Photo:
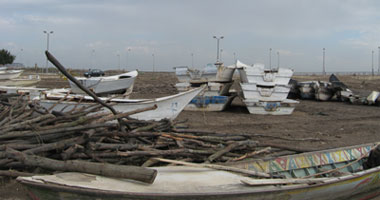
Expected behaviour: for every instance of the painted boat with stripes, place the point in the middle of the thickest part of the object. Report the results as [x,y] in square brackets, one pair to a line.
[341,173]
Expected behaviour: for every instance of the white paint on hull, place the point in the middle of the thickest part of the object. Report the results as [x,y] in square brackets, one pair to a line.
[167,107]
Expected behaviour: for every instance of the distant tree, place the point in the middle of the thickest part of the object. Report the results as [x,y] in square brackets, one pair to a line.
[6,57]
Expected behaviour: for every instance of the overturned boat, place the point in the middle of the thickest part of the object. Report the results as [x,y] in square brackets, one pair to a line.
[168,107]
[117,84]
[341,173]
[259,75]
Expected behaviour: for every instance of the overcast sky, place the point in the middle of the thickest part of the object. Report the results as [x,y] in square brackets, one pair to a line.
[92,33]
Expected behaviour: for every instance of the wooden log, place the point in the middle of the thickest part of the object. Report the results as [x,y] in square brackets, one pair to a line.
[218,167]
[57,145]
[14,173]
[118,171]
[248,155]
[50,131]
[282,146]
[228,149]
[25,123]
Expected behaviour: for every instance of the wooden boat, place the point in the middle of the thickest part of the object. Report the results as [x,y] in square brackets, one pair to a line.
[346,180]
[267,92]
[9,74]
[168,107]
[284,107]
[27,81]
[121,83]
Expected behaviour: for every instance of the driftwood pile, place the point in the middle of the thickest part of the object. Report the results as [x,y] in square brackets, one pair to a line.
[34,140]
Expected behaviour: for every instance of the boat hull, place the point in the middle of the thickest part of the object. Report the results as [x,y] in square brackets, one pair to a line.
[180,182]
[263,93]
[285,107]
[167,107]
[101,85]
[209,103]
[10,74]
[349,187]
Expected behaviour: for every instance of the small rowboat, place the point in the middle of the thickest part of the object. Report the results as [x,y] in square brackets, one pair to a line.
[340,176]
[121,83]
[168,107]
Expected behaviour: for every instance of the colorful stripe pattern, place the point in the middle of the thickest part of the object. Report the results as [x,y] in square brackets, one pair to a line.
[286,163]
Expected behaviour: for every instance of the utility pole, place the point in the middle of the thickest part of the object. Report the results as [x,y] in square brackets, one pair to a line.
[323,69]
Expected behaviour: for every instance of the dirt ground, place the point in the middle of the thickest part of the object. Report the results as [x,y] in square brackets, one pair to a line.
[336,124]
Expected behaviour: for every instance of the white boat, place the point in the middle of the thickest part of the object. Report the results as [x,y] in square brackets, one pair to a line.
[259,75]
[213,89]
[285,107]
[209,103]
[121,83]
[28,92]
[182,73]
[268,92]
[27,81]
[168,107]
[211,73]
[9,74]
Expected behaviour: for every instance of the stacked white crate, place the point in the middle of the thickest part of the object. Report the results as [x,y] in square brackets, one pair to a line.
[265,91]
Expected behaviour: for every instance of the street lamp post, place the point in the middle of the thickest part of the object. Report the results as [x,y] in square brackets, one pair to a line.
[221,53]
[153,62]
[217,47]
[47,46]
[92,59]
[323,66]
[378,62]
[129,50]
[21,50]
[234,57]
[278,60]
[118,61]
[270,58]
[192,60]
[373,70]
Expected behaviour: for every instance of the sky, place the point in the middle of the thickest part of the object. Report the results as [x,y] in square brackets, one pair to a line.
[140,34]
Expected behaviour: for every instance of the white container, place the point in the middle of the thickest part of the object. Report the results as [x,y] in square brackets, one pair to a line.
[285,107]
[268,92]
